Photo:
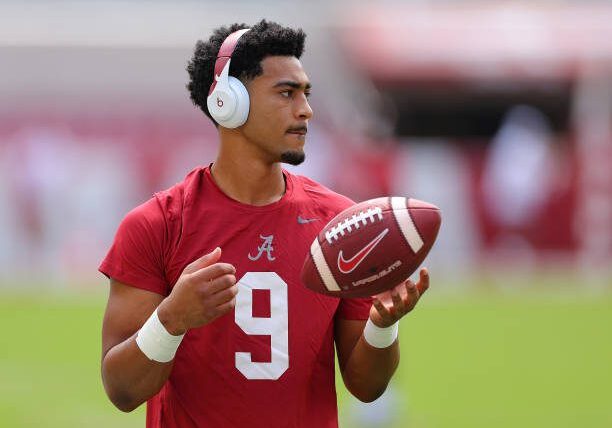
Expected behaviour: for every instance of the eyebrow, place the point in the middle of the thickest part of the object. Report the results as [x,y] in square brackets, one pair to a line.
[293,84]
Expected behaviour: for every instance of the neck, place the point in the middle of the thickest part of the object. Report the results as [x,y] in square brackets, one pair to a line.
[243,173]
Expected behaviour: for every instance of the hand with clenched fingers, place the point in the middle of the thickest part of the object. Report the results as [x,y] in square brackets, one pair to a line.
[205,291]
[388,307]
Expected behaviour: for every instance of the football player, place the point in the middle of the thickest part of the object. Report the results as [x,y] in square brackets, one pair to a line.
[207,320]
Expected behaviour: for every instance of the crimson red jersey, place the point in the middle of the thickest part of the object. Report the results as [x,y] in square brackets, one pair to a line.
[270,361]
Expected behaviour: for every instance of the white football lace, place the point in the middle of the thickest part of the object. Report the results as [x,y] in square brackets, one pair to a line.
[371,215]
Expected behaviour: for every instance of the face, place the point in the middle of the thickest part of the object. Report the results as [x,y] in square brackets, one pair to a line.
[279,110]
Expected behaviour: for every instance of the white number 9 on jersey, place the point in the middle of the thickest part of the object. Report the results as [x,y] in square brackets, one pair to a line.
[276,326]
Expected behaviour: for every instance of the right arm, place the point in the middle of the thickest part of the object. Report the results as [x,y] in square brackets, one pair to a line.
[205,291]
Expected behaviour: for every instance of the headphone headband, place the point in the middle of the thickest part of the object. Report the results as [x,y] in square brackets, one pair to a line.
[225,55]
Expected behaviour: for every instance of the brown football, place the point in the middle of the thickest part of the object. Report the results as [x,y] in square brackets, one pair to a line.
[371,247]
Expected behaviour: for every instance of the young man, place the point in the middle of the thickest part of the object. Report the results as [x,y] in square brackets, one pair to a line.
[207,319]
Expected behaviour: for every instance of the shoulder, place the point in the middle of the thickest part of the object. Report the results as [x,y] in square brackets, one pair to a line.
[172,199]
[320,195]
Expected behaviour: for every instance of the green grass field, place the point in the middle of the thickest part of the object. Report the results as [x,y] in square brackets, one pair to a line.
[485,359]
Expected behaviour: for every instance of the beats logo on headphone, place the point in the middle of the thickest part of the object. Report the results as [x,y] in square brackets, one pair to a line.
[228,99]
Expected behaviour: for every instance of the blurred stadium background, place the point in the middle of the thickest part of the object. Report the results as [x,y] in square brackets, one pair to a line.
[499,112]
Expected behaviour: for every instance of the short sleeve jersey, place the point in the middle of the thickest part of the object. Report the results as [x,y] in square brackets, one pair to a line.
[270,361]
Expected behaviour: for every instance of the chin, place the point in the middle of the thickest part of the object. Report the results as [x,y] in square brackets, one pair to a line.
[293,157]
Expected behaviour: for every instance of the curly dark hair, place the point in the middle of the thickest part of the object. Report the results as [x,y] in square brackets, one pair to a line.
[264,39]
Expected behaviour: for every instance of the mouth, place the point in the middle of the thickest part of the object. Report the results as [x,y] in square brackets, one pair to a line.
[299,130]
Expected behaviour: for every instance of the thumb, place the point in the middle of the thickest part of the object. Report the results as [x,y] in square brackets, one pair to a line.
[423,283]
[202,262]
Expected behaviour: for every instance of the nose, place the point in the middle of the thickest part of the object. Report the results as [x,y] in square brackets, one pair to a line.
[303,109]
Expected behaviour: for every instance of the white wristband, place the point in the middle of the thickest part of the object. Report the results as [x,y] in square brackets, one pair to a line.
[155,342]
[380,337]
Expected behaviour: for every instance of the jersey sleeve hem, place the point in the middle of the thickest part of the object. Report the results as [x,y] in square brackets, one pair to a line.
[113,272]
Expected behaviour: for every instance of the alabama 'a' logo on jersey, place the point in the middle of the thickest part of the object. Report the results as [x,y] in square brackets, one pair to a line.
[265,247]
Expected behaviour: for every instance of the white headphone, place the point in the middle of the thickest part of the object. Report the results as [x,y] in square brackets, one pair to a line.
[228,99]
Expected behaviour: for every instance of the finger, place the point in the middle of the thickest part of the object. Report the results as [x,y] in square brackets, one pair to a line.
[224,296]
[396,298]
[221,283]
[413,294]
[384,298]
[210,273]
[205,260]
[423,284]
[224,308]
[403,290]
[382,310]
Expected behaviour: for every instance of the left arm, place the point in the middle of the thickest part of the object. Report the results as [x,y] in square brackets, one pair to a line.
[366,370]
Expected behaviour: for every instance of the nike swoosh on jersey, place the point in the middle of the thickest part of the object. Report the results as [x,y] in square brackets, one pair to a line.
[302,220]
[347,266]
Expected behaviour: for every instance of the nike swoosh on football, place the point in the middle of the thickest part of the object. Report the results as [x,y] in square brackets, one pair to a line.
[347,266]
[306,220]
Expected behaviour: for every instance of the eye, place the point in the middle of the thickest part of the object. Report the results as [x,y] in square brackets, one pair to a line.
[307,94]
[286,93]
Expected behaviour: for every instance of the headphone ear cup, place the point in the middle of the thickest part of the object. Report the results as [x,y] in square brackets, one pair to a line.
[229,105]
[241,111]
[221,104]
